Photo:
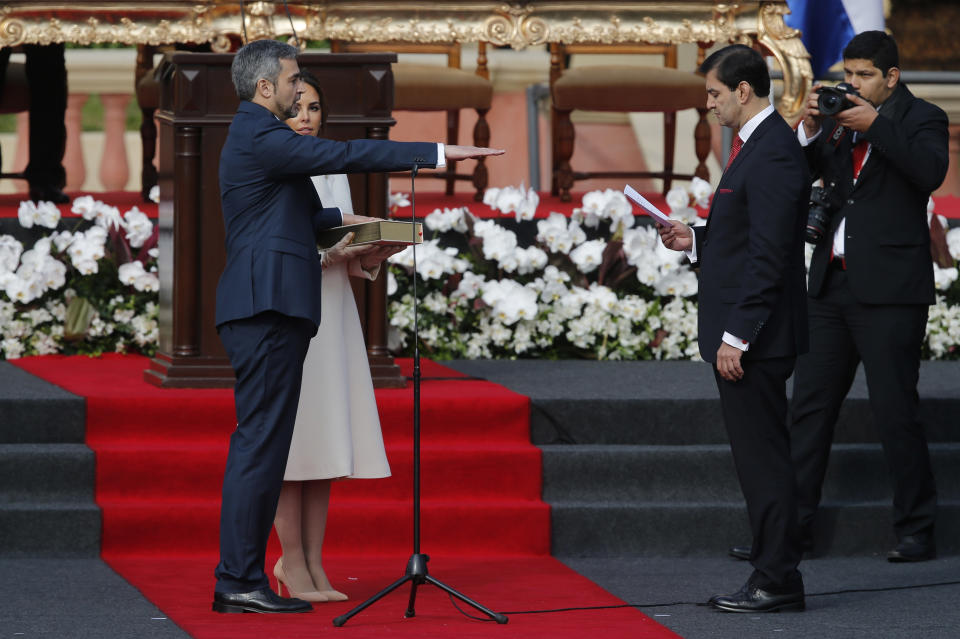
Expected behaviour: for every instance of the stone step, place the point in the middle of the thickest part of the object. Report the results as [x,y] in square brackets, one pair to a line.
[42,473]
[680,421]
[675,403]
[35,411]
[648,528]
[705,473]
[51,529]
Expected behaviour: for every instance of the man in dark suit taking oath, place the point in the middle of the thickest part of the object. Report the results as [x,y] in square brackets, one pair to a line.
[752,312]
[268,298]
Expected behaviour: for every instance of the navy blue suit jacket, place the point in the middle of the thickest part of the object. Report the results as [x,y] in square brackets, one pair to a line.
[750,254]
[271,211]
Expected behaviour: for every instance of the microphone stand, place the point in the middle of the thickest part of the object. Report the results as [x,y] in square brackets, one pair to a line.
[416,572]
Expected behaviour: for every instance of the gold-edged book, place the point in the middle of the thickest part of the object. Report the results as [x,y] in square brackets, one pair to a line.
[379,232]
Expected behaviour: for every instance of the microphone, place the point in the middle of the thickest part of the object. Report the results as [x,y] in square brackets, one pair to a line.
[296,39]
[413,213]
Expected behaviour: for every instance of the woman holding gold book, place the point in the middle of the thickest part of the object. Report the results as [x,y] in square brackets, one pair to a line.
[337,432]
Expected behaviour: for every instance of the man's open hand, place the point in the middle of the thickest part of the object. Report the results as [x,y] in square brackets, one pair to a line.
[456,152]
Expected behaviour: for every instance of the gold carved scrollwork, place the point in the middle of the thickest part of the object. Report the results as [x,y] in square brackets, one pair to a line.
[193,25]
[391,29]
[515,23]
[515,27]
[785,45]
[260,20]
[636,26]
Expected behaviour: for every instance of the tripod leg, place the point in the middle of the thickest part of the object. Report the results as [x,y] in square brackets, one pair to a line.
[342,619]
[496,616]
[413,598]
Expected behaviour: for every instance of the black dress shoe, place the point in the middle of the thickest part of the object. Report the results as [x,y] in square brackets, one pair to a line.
[913,548]
[754,599]
[48,194]
[263,600]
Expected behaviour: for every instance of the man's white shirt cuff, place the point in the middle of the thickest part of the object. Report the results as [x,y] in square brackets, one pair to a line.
[441,156]
[736,342]
[802,135]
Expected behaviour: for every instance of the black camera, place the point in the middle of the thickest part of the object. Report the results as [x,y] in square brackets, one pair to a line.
[833,100]
[824,201]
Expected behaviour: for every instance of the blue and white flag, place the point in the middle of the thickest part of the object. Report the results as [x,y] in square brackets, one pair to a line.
[828,25]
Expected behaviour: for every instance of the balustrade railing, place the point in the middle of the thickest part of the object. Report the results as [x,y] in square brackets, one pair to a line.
[104,160]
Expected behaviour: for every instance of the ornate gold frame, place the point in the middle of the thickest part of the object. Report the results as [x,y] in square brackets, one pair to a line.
[518,24]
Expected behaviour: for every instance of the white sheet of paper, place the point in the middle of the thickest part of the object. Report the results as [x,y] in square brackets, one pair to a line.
[647,207]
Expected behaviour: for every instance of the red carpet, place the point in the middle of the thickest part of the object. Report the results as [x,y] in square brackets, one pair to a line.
[161,453]
[182,589]
[160,456]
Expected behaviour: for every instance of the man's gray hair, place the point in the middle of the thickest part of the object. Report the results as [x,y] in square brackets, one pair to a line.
[258,59]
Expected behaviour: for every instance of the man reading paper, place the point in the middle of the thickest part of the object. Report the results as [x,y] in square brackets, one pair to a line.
[752,313]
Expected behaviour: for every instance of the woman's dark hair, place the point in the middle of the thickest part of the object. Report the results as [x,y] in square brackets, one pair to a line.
[875,46]
[739,63]
[309,78]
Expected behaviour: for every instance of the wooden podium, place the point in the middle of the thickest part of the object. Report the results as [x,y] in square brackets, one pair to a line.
[197,104]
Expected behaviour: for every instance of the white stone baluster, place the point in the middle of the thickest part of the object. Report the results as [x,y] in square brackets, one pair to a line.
[114,171]
[73,156]
[22,154]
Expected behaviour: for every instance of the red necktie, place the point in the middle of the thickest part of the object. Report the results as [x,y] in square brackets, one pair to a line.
[859,153]
[734,150]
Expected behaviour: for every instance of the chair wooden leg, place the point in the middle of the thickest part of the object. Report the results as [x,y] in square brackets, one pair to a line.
[453,131]
[669,145]
[481,137]
[554,153]
[563,151]
[148,139]
[701,136]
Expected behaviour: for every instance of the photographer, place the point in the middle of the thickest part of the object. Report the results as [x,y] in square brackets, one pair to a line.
[880,155]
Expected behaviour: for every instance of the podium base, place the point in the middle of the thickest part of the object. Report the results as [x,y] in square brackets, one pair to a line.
[171,371]
[385,373]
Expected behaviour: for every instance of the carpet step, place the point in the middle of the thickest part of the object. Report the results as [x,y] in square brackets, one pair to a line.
[503,527]
[40,473]
[53,529]
[35,411]
[588,529]
[127,471]
[857,472]
[448,412]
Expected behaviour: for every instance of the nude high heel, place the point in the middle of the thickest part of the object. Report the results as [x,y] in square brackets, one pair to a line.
[282,581]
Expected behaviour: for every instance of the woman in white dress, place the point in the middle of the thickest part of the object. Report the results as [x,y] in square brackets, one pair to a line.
[337,432]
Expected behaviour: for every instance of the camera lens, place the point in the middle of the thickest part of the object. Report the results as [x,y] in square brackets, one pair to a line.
[829,103]
[818,221]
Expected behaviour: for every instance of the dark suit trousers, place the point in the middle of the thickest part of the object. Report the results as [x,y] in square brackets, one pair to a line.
[888,339]
[267,353]
[47,79]
[755,414]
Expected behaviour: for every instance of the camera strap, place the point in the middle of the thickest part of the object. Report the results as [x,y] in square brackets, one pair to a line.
[838,133]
